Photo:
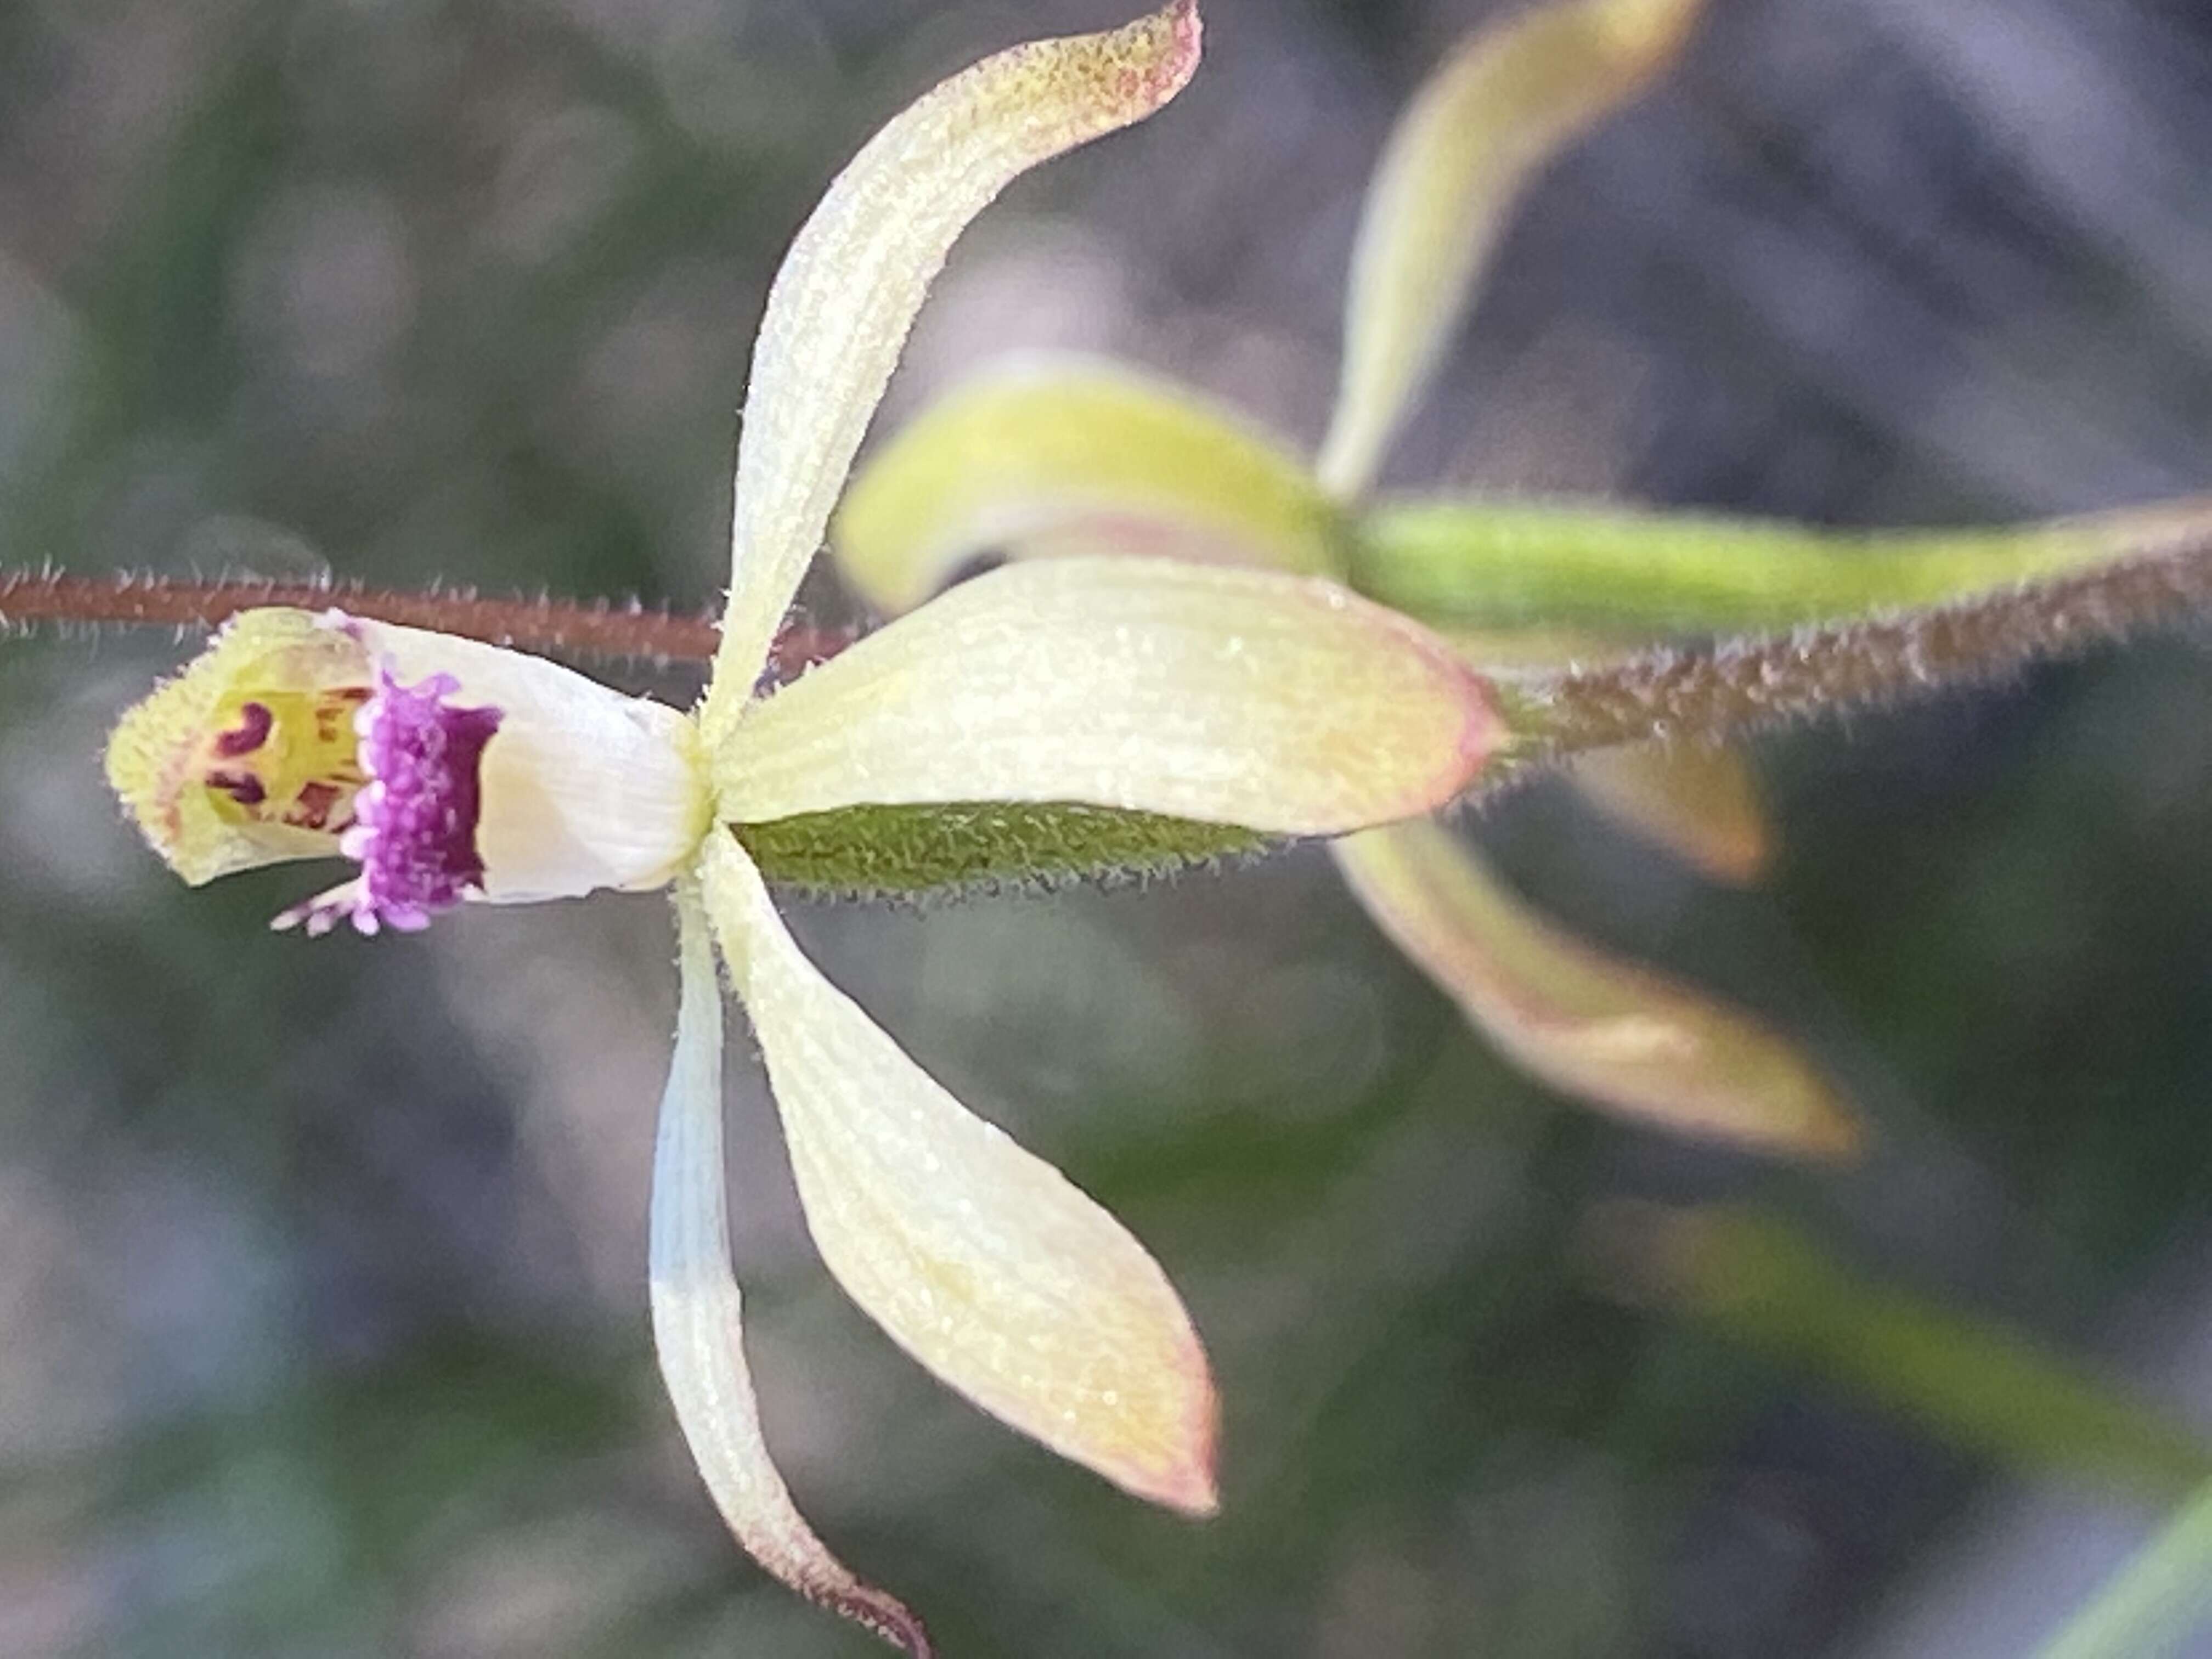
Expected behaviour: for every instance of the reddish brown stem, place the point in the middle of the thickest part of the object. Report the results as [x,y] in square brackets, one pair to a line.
[599,628]
[1741,686]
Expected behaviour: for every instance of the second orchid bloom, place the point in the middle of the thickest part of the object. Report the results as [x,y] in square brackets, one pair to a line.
[1206,707]
[1045,459]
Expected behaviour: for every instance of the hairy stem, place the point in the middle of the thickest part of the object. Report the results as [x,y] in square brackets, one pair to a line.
[1616,570]
[1713,694]
[597,628]
[1744,685]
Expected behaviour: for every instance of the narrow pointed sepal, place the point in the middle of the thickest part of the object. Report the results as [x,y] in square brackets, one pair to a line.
[1280,704]
[696,1310]
[846,295]
[1052,454]
[1499,108]
[1607,1032]
[982,1261]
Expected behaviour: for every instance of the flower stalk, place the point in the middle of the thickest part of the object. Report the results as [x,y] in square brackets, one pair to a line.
[597,628]
[600,628]
[1747,685]
[1708,695]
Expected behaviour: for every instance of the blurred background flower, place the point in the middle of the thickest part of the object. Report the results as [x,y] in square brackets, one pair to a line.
[323,1330]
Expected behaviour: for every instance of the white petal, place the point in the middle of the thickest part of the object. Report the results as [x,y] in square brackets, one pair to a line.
[983,1261]
[583,787]
[696,1316]
[847,294]
[1280,703]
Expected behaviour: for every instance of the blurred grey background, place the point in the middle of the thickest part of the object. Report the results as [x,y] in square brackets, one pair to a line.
[322,1264]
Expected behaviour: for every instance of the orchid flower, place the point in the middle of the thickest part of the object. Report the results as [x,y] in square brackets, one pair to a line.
[1171,707]
[1046,459]
[1064,457]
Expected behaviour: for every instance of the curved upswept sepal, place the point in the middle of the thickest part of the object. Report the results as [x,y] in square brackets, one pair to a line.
[1615,1034]
[982,1261]
[697,1308]
[1050,451]
[1280,704]
[846,295]
[1499,108]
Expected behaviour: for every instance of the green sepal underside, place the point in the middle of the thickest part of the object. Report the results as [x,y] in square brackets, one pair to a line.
[911,851]
[1630,573]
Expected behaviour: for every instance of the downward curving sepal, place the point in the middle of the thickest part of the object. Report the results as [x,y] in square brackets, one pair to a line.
[696,1311]
[982,1261]
[847,294]
[1283,705]
[1617,1035]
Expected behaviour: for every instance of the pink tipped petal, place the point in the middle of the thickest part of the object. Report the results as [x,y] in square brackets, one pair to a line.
[1615,1034]
[1279,703]
[1699,802]
[695,1317]
[1053,449]
[1495,111]
[981,1261]
[847,292]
